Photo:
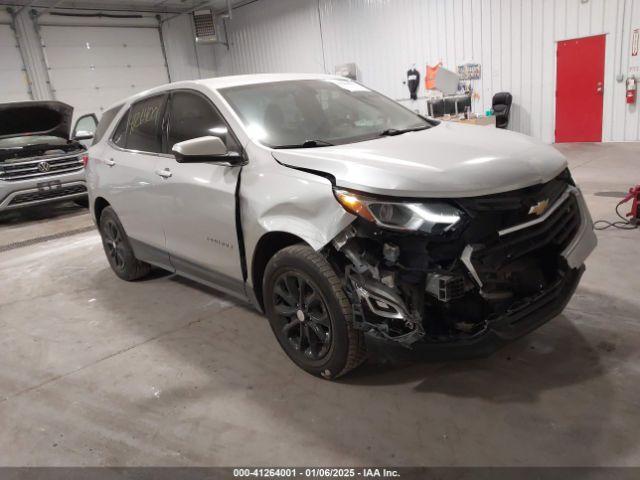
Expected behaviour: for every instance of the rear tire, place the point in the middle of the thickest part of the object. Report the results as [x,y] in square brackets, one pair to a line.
[118,248]
[310,314]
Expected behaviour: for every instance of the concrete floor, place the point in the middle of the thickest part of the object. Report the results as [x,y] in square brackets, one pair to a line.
[96,371]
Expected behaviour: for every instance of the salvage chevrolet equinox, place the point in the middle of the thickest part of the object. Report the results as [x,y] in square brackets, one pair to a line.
[339,213]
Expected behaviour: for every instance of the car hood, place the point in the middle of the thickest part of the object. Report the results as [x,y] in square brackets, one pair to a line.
[448,160]
[35,118]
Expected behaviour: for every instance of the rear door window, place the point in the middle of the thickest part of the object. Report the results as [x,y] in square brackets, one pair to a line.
[144,132]
[192,116]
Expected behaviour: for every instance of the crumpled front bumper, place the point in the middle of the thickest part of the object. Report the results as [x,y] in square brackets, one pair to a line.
[530,313]
[516,323]
[585,240]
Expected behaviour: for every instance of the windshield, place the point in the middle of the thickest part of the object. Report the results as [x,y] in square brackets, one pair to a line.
[317,113]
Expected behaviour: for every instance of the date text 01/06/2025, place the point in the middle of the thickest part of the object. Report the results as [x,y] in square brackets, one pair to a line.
[315,473]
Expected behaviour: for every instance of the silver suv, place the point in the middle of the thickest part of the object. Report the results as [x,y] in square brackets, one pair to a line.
[339,213]
[40,161]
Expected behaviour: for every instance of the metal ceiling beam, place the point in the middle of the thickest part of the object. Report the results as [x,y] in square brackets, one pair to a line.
[95,6]
[186,12]
[158,4]
[53,5]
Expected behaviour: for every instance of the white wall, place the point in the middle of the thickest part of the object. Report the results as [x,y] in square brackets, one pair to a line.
[186,60]
[514,40]
[12,75]
[273,36]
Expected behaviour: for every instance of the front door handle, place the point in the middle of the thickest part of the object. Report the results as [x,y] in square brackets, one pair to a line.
[110,162]
[599,87]
[166,173]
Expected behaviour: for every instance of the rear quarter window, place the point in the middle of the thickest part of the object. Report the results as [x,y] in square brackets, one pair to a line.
[119,137]
[104,123]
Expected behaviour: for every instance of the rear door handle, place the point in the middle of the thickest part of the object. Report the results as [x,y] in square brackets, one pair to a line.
[110,162]
[166,173]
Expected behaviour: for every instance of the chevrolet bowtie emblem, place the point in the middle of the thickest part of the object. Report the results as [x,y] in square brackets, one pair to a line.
[539,208]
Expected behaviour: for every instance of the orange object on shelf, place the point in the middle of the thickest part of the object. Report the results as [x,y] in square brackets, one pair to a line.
[430,77]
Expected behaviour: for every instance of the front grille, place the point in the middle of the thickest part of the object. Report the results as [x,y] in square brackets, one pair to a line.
[40,167]
[556,230]
[57,193]
[507,209]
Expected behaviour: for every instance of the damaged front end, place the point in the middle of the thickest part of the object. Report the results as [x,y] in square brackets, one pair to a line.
[451,271]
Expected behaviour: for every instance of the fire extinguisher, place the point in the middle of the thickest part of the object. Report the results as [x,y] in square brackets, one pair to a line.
[632,88]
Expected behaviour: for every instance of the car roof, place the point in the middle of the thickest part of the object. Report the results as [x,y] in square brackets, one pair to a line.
[217,83]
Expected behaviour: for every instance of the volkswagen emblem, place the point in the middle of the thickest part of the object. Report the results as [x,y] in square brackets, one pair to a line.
[540,207]
[44,167]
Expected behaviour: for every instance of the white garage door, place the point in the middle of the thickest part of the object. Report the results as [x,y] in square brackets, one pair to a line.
[93,67]
[13,80]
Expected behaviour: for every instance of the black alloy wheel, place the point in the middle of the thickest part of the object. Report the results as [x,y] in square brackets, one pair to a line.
[113,243]
[310,314]
[303,315]
[118,249]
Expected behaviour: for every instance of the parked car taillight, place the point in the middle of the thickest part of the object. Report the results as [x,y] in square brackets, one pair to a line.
[85,160]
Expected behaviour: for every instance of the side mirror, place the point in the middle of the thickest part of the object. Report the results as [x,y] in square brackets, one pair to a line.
[83,135]
[206,149]
[85,127]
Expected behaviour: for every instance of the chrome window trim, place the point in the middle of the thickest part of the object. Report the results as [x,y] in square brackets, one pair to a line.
[141,152]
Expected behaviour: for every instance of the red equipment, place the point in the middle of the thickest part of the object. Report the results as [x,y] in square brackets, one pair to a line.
[634,193]
[632,88]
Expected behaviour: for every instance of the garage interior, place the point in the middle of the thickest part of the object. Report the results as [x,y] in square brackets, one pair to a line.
[166,372]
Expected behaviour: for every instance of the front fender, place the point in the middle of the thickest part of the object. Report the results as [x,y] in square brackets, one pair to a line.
[282,199]
[313,218]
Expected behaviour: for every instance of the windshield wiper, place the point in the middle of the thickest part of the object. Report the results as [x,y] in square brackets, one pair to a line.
[308,144]
[391,132]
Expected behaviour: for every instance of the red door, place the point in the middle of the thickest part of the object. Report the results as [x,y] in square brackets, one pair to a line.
[579,89]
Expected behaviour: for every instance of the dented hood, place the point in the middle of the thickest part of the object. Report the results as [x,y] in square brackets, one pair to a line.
[35,118]
[448,160]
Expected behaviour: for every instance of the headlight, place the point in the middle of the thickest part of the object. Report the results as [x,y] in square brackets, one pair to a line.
[428,217]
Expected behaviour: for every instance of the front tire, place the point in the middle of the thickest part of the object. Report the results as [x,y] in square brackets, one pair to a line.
[310,314]
[118,248]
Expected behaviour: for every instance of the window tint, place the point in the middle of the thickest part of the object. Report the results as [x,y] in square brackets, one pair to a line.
[120,135]
[105,121]
[192,116]
[144,128]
